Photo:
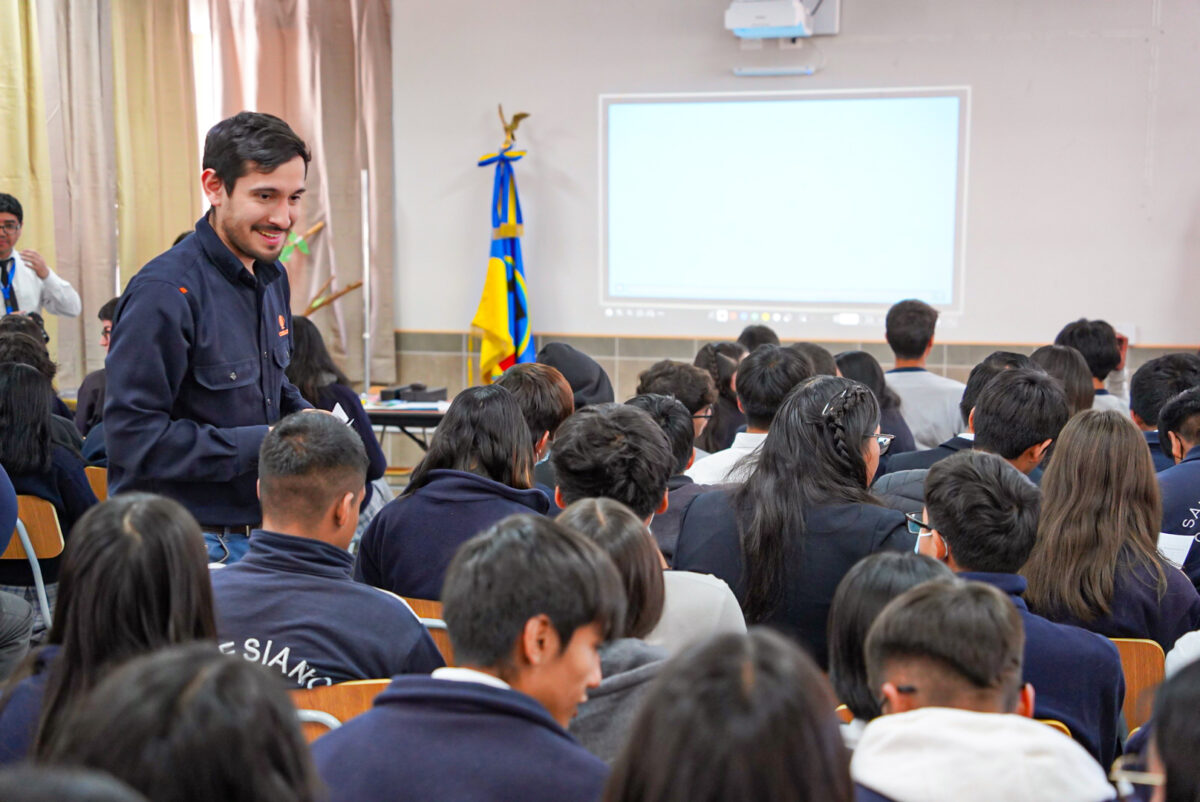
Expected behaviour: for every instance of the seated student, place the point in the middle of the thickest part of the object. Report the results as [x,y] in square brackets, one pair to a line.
[589,383]
[806,495]
[1017,416]
[982,517]
[865,369]
[479,469]
[1095,563]
[291,603]
[1153,385]
[32,326]
[1097,341]
[627,663]
[755,335]
[1179,434]
[1071,369]
[134,579]
[22,350]
[979,377]
[945,660]
[89,407]
[188,725]
[673,418]
[764,379]
[16,614]
[1169,772]
[546,401]
[720,361]
[688,384]
[322,384]
[861,595]
[735,718]
[527,605]
[616,451]
[929,401]
[37,467]
[823,363]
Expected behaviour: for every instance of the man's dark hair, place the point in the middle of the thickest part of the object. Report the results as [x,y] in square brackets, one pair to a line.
[1018,409]
[306,463]
[823,363]
[984,372]
[755,335]
[1176,732]
[108,310]
[985,509]
[1097,341]
[10,205]
[251,140]
[691,385]
[29,323]
[522,567]
[765,378]
[1160,380]
[1180,415]
[543,394]
[613,451]
[910,326]
[674,420]
[968,634]
[25,350]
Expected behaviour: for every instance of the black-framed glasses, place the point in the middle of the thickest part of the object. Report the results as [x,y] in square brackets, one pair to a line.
[10,227]
[106,331]
[704,414]
[917,527]
[884,441]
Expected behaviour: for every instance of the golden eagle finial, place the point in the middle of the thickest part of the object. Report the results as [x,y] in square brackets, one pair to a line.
[510,128]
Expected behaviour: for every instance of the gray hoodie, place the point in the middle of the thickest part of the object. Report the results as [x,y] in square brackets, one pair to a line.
[603,722]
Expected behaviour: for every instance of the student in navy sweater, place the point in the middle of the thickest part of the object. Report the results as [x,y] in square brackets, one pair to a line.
[527,604]
[784,539]
[1096,562]
[546,401]
[983,516]
[291,604]
[1152,386]
[16,614]
[479,469]
[1179,427]
[134,579]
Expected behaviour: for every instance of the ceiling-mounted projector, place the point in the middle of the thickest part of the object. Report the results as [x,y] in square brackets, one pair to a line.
[768,19]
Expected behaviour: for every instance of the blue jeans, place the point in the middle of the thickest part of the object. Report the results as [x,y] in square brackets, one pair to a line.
[226,547]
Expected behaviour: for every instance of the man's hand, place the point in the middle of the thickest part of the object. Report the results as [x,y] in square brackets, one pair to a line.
[35,260]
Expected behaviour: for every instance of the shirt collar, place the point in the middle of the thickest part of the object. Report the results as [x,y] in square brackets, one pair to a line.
[228,264]
[459,674]
[283,552]
[1012,584]
[908,370]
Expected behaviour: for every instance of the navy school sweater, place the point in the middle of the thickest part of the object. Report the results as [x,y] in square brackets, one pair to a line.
[436,739]
[1180,485]
[291,605]
[19,717]
[408,546]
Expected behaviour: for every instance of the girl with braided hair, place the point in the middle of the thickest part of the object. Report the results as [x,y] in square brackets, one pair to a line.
[786,537]
[721,361]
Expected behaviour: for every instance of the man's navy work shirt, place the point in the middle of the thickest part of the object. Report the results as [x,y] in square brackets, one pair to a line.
[196,375]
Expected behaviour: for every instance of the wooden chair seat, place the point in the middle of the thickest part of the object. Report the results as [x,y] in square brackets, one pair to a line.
[343,701]
[430,613]
[1144,665]
[98,478]
[37,522]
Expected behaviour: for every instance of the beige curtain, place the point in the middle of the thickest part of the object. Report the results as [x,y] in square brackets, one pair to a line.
[24,142]
[154,114]
[325,68]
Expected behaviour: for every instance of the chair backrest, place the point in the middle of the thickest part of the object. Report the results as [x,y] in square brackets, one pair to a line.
[430,613]
[843,713]
[98,478]
[343,701]
[1054,723]
[1143,662]
[41,523]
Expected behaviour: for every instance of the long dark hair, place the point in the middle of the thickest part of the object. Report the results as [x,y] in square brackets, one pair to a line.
[134,578]
[720,360]
[1101,513]
[190,724]
[24,420]
[812,457]
[865,369]
[484,433]
[861,595]
[734,718]
[311,367]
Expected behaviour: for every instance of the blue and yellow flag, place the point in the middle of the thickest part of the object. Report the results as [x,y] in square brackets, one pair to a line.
[502,319]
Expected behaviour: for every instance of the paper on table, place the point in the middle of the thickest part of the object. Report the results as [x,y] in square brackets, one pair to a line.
[1174,547]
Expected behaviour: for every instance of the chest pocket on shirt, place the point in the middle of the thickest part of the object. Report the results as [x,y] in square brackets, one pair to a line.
[283,355]
[227,375]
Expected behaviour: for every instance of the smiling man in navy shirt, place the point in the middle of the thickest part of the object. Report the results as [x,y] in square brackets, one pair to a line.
[201,339]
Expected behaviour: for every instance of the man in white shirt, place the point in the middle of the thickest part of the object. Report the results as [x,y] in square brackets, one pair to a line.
[764,379]
[928,402]
[28,283]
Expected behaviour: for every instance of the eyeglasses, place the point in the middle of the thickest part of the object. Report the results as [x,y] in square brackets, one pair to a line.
[1128,772]
[704,414]
[10,227]
[106,331]
[884,440]
[919,528]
